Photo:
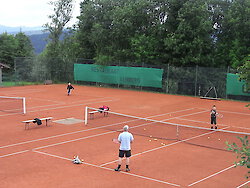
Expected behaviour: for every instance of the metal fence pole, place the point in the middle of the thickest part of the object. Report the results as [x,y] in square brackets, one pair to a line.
[196,76]
[167,89]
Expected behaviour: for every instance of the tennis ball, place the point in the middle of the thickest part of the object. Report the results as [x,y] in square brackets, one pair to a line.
[149,140]
[218,139]
[208,137]
[150,136]
[144,129]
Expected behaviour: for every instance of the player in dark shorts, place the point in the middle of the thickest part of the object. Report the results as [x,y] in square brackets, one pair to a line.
[69,87]
[213,114]
[125,139]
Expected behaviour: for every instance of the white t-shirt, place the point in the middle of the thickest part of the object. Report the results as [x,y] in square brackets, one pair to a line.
[125,138]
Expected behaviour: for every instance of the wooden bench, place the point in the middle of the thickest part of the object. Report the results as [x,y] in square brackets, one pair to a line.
[27,122]
[105,113]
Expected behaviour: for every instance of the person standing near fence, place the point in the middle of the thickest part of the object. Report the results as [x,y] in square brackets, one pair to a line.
[213,115]
[69,88]
[125,139]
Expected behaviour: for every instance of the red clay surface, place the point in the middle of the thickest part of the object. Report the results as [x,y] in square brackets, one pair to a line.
[41,156]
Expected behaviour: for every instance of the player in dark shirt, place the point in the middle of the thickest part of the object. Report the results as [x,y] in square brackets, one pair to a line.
[213,114]
[69,87]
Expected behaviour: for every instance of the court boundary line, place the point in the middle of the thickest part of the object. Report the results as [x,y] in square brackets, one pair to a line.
[74,132]
[232,112]
[160,147]
[19,152]
[63,103]
[217,124]
[59,107]
[212,175]
[81,138]
[110,169]
[243,184]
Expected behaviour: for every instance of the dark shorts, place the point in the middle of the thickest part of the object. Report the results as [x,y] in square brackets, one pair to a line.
[213,120]
[126,153]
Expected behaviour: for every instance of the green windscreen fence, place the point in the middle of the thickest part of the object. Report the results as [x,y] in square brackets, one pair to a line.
[235,86]
[136,76]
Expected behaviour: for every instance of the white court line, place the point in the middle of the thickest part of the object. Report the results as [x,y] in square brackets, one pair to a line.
[89,100]
[202,122]
[126,173]
[21,91]
[217,124]
[75,132]
[19,152]
[172,112]
[229,112]
[189,114]
[174,143]
[59,143]
[211,175]
[69,106]
[77,139]
[243,184]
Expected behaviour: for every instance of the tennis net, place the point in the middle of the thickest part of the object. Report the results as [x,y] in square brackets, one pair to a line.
[162,130]
[12,104]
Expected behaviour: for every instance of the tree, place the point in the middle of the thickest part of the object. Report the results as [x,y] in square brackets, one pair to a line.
[243,152]
[8,47]
[233,42]
[24,46]
[191,42]
[244,72]
[62,15]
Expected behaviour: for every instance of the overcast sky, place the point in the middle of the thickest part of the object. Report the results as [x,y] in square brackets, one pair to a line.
[30,13]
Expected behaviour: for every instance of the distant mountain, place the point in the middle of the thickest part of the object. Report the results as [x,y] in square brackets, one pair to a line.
[14,30]
[39,42]
[36,35]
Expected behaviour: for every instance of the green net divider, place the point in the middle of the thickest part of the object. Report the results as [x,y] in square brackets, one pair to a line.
[235,86]
[137,76]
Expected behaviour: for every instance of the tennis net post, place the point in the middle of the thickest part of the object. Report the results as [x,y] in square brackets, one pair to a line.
[13,104]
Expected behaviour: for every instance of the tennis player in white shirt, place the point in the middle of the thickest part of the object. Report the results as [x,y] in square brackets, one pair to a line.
[125,139]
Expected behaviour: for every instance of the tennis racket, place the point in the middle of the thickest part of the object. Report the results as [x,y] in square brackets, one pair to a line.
[115,140]
[220,115]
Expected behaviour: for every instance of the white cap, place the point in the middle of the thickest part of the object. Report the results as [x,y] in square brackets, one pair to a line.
[126,127]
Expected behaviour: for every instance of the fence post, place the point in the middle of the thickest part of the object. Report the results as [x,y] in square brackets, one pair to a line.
[167,89]
[196,76]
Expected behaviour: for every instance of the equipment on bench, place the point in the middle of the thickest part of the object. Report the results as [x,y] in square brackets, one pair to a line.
[36,120]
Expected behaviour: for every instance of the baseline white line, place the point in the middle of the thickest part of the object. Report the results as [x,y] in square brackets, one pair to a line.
[90,100]
[243,184]
[174,143]
[171,112]
[188,114]
[19,152]
[97,166]
[69,106]
[229,112]
[92,135]
[22,91]
[82,138]
[55,136]
[211,176]
[202,122]
[209,123]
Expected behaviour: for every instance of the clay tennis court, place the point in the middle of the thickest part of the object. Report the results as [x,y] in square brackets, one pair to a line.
[41,155]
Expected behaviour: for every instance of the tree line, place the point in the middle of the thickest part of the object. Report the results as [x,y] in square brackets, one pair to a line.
[208,33]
